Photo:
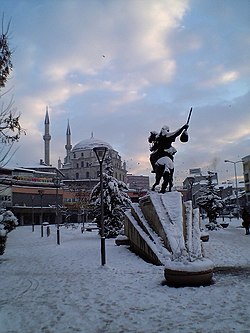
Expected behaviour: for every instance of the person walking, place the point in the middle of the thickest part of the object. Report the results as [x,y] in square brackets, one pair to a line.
[246,219]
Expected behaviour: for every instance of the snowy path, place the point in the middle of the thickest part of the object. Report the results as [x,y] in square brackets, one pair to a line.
[63,289]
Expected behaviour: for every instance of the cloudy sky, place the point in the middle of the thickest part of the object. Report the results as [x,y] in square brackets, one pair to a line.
[121,68]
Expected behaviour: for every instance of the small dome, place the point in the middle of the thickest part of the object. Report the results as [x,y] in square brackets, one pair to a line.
[90,144]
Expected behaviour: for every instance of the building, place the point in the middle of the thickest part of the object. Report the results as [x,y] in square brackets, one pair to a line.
[42,192]
[138,182]
[81,165]
[81,171]
[195,183]
[138,186]
[246,172]
[45,193]
[32,195]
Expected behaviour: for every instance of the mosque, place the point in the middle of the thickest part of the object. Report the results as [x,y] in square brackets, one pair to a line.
[35,193]
[80,163]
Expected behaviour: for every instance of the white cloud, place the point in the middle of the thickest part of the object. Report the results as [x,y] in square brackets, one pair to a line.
[221,77]
[122,68]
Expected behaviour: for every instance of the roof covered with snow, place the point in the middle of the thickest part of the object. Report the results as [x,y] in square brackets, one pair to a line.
[90,144]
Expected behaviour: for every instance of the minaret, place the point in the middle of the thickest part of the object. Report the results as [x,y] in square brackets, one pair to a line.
[68,145]
[46,138]
[59,163]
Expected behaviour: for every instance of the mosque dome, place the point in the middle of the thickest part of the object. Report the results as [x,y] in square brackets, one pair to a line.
[90,144]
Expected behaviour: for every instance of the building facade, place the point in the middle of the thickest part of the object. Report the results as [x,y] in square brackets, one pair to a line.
[33,196]
[246,172]
[81,166]
[195,183]
[138,183]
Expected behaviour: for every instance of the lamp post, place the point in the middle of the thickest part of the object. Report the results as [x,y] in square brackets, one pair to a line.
[57,182]
[190,188]
[41,192]
[32,200]
[236,183]
[100,154]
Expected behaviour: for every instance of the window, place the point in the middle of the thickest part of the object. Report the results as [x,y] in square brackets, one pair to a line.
[77,175]
[82,164]
[87,174]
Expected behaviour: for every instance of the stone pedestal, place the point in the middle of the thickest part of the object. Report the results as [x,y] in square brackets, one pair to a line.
[164,231]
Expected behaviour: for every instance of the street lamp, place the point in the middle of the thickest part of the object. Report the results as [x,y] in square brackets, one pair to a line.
[100,154]
[236,183]
[57,183]
[32,200]
[191,181]
[41,192]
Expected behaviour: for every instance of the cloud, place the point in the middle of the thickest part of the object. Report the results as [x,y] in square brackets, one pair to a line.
[221,77]
[123,68]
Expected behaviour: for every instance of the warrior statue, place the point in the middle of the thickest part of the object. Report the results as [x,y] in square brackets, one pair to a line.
[162,153]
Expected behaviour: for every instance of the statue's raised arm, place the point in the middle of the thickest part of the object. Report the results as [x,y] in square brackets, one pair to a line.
[168,137]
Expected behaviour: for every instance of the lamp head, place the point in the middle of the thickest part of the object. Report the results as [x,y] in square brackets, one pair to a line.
[100,153]
[233,161]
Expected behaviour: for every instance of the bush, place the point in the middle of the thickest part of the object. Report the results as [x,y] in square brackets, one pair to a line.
[8,222]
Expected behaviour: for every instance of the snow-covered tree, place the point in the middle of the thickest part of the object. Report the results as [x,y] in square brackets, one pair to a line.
[8,222]
[115,200]
[211,202]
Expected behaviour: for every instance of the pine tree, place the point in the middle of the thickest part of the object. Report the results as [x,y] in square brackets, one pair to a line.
[210,202]
[115,200]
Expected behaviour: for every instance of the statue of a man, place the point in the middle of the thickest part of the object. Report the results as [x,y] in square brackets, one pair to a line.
[162,143]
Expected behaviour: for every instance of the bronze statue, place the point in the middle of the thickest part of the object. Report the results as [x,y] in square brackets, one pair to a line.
[162,156]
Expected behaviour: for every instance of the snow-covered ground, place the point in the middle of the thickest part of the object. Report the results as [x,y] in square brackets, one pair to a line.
[53,288]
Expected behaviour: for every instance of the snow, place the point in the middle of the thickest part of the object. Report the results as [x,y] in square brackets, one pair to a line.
[8,222]
[53,288]
[91,143]
[151,238]
[169,209]
[165,160]
[199,265]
